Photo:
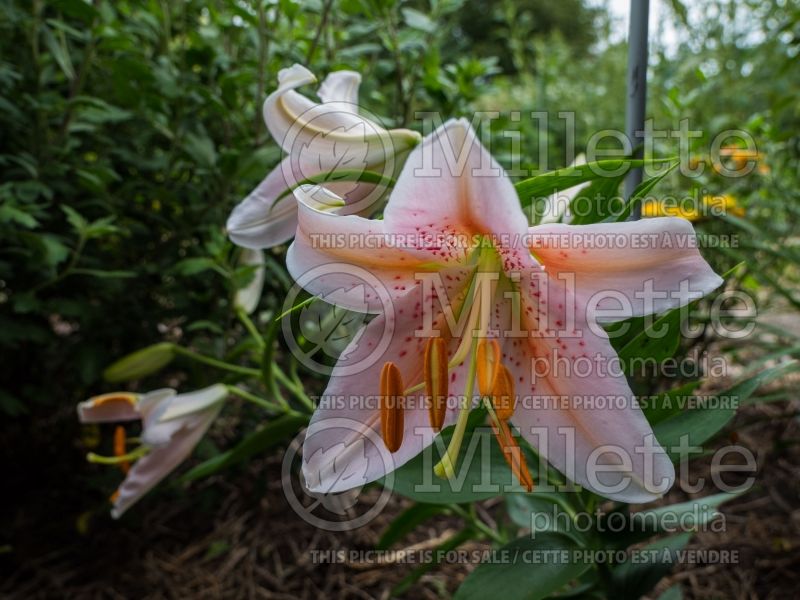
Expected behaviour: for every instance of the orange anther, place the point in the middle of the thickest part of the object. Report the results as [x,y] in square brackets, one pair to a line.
[391,404]
[488,365]
[436,381]
[512,453]
[504,400]
[120,447]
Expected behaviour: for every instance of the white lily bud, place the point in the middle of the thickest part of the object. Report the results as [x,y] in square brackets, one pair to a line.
[319,138]
[247,298]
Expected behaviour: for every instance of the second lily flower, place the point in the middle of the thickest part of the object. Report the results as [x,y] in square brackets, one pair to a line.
[318,138]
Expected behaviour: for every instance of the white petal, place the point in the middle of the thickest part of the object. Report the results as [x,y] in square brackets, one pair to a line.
[451,185]
[341,86]
[329,135]
[163,459]
[184,405]
[109,408]
[247,298]
[261,220]
[628,269]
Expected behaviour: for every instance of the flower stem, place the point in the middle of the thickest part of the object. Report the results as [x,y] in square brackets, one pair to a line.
[478,524]
[262,402]
[296,390]
[251,328]
[216,362]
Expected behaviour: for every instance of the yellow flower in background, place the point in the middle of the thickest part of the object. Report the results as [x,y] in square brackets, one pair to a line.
[696,160]
[708,206]
[736,159]
[739,156]
[721,205]
[661,208]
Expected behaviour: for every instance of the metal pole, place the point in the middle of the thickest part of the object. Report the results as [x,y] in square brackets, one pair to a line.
[637,88]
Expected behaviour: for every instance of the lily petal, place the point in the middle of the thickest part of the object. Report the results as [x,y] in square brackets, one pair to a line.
[341,86]
[343,448]
[110,408]
[148,471]
[248,297]
[259,221]
[450,187]
[185,405]
[572,388]
[613,263]
[329,135]
[331,253]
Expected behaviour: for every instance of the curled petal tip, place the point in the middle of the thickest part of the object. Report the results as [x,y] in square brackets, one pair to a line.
[297,75]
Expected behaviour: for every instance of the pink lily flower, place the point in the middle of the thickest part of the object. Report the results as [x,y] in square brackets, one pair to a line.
[454,217]
[172,425]
[318,138]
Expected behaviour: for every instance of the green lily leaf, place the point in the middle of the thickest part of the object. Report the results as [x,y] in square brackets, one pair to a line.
[261,440]
[703,422]
[407,521]
[625,528]
[481,471]
[526,569]
[633,579]
[562,179]
[641,191]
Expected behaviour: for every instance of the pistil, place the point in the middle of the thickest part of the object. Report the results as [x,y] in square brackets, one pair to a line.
[446,466]
[129,457]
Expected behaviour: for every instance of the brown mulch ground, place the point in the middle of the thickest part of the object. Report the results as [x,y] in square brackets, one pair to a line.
[237,537]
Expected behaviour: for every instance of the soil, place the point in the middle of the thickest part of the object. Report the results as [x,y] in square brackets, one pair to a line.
[238,537]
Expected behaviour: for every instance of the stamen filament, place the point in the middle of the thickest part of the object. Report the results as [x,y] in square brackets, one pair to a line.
[446,466]
[512,452]
[468,335]
[116,460]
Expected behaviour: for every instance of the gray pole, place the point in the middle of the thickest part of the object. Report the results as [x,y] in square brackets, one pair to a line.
[637,88]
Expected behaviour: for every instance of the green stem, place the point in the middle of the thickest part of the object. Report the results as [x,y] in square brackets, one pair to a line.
[295,389]
[251,328]
[217,363]
[263,403]
[478,524]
